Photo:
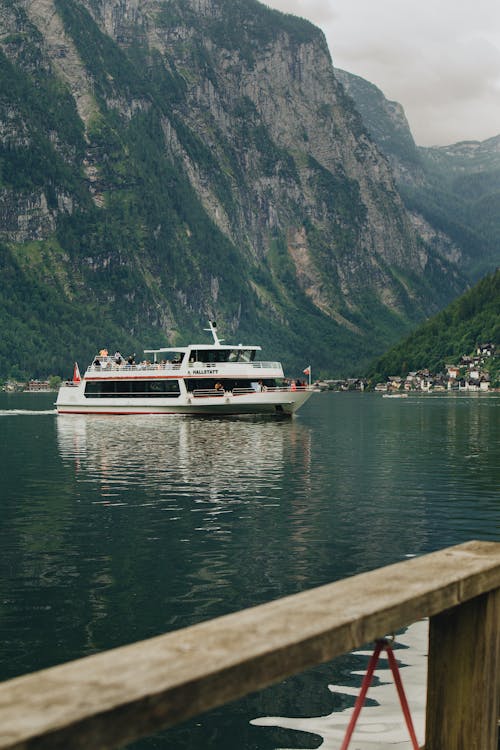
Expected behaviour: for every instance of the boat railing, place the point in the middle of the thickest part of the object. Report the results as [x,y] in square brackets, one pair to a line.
[104,364]
[269,389]
[108,363]
[286,388]
[265,365]
[218,392]
[239,364]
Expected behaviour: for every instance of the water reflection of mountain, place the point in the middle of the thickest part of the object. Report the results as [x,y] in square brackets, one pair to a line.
[211,459]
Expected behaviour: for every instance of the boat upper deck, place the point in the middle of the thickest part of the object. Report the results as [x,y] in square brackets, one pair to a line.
[223,360]
[108,367]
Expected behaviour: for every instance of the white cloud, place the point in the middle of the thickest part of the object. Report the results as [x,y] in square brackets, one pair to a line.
[440,60]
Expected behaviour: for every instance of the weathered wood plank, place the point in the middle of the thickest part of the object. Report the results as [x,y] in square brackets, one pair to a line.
[108,699]
[463,676]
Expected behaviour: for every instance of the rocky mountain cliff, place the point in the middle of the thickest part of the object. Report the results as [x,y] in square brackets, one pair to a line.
[452,192]
[386,123]
[167,161]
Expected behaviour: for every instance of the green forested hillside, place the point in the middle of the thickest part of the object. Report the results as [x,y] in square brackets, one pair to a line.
[472,319]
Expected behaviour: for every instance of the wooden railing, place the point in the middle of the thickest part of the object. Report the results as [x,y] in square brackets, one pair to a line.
[109,699]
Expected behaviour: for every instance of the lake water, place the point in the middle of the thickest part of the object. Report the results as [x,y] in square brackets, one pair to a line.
[115,529]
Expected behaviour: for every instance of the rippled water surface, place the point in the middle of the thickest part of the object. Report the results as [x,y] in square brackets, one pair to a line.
[114,529]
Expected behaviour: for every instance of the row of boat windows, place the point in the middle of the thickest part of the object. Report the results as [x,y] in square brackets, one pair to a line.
[132,389]
[166,388]
[228,384]
[222,355]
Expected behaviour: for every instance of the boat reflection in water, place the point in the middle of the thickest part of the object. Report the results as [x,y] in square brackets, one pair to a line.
[143,459]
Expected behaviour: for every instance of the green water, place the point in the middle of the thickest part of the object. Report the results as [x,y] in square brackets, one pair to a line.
[115,529]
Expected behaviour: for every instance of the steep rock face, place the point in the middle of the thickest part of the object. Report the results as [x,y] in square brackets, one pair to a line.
[286,89]
[465,177]
[386,122]
[452,192]
[298,99]
[29,218]
[199,157]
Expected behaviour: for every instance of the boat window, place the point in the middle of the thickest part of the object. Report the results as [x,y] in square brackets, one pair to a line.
[229,384]
[171,358]
[222,355]
[209,355]
[132,389]
[203,384]
[247,355]
[241,355]
[177,358]
[91,389]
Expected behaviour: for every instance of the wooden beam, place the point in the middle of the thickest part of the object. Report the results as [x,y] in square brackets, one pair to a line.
[109,699]
[463,675]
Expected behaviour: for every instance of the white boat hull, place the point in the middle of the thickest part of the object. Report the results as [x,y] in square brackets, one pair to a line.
[71,400]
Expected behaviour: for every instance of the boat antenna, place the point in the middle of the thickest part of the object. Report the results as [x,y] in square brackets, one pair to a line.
[213,331]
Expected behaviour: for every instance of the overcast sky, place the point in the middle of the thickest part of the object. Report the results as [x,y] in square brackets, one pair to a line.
[439,58]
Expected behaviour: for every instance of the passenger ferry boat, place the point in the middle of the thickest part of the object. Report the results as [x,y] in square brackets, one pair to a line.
[215,378]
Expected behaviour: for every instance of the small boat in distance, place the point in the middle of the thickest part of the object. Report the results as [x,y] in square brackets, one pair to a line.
[216,378]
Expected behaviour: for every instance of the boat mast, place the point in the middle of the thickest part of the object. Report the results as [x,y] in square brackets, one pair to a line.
[213,331]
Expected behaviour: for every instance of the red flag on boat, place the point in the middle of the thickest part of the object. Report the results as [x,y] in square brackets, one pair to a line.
[307,371]
[76,373]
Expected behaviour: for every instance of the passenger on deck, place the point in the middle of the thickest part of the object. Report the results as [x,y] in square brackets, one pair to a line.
[118,358]
[219,387]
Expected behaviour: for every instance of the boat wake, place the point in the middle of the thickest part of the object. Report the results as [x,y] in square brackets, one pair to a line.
[379,726]
[24,412]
